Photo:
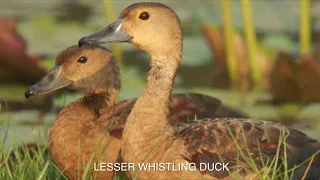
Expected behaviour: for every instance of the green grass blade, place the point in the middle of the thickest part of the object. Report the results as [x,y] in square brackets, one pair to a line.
[44,170]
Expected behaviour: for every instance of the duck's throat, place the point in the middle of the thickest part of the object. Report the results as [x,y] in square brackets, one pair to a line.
[147,123]
[101,101]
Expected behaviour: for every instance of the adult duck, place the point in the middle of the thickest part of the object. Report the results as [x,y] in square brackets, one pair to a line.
[149,138]
[81,125]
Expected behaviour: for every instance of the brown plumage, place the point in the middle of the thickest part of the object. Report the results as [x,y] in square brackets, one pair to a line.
[284,86]
[96,117]
[149,138]
[295,80]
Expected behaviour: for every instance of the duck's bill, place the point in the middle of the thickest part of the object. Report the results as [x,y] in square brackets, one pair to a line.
[112,33]
[52,81]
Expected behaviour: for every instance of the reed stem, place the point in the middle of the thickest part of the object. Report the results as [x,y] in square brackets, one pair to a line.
[229,37]
[304,27]
[251,41]
[111,16]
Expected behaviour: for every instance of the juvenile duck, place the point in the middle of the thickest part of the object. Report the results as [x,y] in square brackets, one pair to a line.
[148,137]
[79,127]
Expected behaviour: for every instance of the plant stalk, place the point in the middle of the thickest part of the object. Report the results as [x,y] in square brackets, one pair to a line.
[229,37]
[111,16]
[251,41]
[304,27]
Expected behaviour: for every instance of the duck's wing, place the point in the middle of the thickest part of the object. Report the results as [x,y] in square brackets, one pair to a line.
[187,107]
[230,112]
[243,143]
[116,117]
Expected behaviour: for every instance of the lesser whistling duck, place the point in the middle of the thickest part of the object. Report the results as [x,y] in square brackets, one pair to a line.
[93,70]
[295,80]
[149,138]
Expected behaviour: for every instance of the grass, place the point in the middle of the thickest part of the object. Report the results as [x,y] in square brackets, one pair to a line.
[21,164]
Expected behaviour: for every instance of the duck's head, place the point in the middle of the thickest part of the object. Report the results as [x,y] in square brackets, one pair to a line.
[152,27]
[90,69]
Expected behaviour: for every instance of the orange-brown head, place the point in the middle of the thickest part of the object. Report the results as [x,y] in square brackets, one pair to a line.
[153,27]
[89,69]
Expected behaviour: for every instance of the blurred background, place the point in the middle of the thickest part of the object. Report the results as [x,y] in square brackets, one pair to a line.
[261,57]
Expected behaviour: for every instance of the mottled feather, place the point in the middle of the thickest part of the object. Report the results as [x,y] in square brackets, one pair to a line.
[222,140]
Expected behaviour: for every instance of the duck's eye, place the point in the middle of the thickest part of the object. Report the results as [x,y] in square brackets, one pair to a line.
[144,15]
[82,59]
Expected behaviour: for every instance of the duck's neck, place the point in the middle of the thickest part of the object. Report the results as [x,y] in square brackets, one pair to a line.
[147,124]
[155,97]
[100,100]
